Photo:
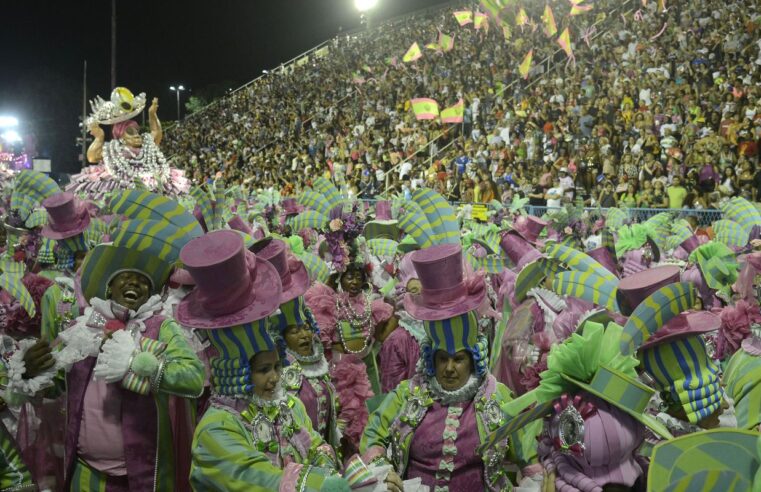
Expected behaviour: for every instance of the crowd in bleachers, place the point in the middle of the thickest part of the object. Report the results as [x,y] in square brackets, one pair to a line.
[660,108]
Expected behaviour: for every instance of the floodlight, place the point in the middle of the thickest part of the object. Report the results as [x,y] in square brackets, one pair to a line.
[8,121]
[365,5]
[11,136]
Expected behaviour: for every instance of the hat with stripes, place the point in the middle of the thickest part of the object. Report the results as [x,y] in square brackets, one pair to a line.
[742,380]
[719,460]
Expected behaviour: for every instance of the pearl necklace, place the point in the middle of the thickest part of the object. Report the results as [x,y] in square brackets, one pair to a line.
[361,323]
[148,164]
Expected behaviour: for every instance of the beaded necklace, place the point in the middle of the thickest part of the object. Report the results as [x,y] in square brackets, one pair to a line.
[359,323]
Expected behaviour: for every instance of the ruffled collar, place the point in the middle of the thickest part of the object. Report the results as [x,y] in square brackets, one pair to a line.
[465,393]
[84,338]
[413,326]
[318,354]
[270,404]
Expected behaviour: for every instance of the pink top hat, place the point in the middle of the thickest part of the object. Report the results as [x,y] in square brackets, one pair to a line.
[67,216]
[684,325]
[529,227]
[238,224]
[383,210]
[690,244]
[233,286]
[293,274]
[181,277]
[289,206]
[519,250]
[446,292]
[634,289]
[406,270]
[606,258]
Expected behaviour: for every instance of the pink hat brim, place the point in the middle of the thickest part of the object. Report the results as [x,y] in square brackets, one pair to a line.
[698,322]
[190,311]
[427,313]
[78,228]
[299,284]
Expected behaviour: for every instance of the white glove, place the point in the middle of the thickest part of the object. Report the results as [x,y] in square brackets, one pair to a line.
[115,355]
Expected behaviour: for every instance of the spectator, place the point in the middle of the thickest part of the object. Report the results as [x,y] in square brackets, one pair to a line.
[676,193]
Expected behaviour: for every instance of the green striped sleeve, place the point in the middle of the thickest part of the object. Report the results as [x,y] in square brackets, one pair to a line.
[378,426]
[182,371]
[225,459]
[49,307]
[14,475]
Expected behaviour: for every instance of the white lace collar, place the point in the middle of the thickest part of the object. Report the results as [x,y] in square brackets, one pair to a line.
[465,393]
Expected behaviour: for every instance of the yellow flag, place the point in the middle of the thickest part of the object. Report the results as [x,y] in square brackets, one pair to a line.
[565,42]
[412,54]
[432,46]
[577,9]
[549,21]
[453,114]
[425,108]
[481,20]
[526,64]
[521,19]
[464,17]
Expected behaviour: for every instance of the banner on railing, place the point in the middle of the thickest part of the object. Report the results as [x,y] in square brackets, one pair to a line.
[302,61]
[322,52]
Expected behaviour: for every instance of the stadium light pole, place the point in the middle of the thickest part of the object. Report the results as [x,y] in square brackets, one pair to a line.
[177,89]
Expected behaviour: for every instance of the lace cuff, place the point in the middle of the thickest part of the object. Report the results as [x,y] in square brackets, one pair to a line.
[115,357]
[17,385]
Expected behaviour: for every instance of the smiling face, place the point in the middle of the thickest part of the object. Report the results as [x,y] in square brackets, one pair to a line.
[452,371]
[130,289]
[132,137]
[299,339]
[265,374]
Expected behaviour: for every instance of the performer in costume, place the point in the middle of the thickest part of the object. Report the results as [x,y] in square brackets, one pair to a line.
[129,370]
[431,425]
[593,409]
[296,332]
[254,436]
[129,156]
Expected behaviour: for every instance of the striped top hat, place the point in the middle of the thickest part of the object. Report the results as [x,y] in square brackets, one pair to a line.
[743,212]
[730,233]
[446,292]
[719,460]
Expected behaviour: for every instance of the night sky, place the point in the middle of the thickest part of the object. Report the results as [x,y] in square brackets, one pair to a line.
[208,46]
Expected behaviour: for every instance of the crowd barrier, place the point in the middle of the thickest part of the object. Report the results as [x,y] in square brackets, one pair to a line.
[705,216]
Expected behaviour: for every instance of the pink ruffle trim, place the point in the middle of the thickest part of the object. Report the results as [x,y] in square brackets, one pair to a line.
[349,375]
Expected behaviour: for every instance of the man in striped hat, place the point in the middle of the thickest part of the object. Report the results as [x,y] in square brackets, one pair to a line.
[129,370]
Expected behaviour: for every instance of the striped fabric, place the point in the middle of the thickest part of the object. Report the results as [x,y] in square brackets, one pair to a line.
[11,282]
[682,367]
[743,212]
[204,203]
[576,260]
[308,219]
[328,191]
[86,479]
[316,266]
[730,233]
[142,384]
[718,264]
[46,252]
[381,229]
[242,341]
[149,246]
[382,247]
[29,190]
[74,244]
[291,314]
[680,232]
[742,380]
[231,371]
[454,334]
[490,263]
[415,224]
[535,273]
[587,286]
[315,201]
[614,386]
[38,218]
[718,460]
[659,226]
[8,265]
[14,475]
[654,312]
[440,214]
[607,240]
[136,204]
[615,218]
[221,209]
